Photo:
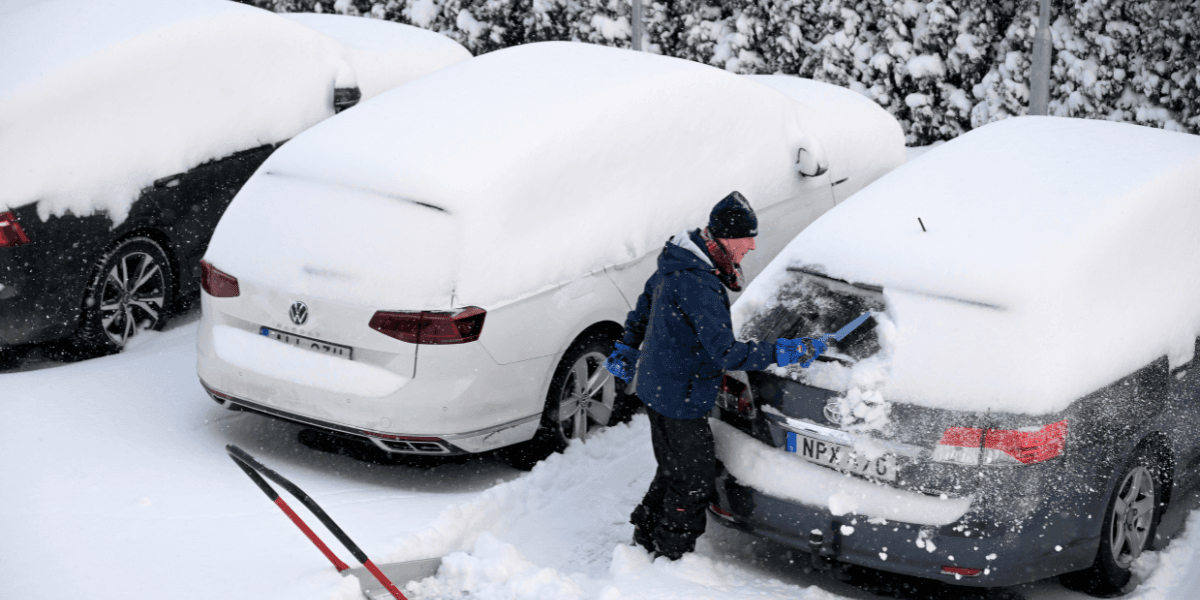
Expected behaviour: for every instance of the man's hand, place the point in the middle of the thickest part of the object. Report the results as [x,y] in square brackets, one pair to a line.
[622,363]
[792,351]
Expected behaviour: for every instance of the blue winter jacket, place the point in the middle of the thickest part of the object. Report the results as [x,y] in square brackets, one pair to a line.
[682,318]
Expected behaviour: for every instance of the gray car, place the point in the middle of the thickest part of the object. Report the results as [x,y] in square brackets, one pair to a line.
[949,464]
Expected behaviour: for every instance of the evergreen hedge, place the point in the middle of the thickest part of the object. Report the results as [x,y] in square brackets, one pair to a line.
[941,67]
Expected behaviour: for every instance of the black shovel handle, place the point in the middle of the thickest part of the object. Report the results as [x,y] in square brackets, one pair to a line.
[256,471]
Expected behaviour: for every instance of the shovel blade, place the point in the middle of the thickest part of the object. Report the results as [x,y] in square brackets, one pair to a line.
[400,573]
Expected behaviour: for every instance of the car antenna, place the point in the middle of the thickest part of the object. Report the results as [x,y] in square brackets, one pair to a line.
[922,225]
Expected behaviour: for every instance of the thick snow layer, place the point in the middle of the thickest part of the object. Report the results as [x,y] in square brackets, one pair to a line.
[106,97]
[784,475]
[385,54]
[1060,256]
[100,99]
[258,354]
[861,140]
[551,160]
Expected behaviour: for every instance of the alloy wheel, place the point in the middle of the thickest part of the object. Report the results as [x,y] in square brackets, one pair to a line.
[132,296]
[1132,516]
[588,396]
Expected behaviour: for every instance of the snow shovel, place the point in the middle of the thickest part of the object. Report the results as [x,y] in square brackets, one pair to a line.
[384,574]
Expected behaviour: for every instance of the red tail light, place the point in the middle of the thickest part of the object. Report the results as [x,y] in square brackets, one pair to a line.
[737,389]
[11,234]
[431,327]
[720,511]
[217,283]
[960,571]
[971,446]
[1027,447]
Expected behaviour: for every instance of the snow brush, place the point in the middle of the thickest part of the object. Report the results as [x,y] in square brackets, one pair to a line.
[253,468]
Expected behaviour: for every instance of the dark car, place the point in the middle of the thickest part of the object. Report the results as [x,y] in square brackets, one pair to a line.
[1002,417]
[129,129]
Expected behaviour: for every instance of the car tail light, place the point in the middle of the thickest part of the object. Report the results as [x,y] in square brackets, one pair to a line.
[739,390]
[972,446]
[217,283]
[720,511]
[431,327]
[1024,447]
[960,571]
[11,233]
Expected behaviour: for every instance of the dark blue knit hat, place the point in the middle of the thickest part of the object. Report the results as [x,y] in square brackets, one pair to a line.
[732,218]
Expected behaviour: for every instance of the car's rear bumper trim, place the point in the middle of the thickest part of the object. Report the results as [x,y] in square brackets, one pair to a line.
[454,443]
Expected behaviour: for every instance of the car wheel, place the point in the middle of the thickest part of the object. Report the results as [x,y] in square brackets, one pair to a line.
[583,398]
[129,291]
[1130,521]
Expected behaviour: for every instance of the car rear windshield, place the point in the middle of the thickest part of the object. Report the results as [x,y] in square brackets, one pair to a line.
[812,305]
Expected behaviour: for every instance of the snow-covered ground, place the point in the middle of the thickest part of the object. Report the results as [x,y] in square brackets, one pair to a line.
[116,486]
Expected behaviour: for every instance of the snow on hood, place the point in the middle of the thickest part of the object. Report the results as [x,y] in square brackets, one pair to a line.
[1060,256]
[99,99]
[385,54]
[556,159]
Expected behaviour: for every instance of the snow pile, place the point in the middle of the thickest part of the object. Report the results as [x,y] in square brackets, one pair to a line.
[784,475]
[550,160]
[384,54]
[1060,256]
[258,354]
[1170,573]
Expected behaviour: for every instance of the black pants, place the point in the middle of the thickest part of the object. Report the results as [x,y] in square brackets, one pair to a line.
[673,510]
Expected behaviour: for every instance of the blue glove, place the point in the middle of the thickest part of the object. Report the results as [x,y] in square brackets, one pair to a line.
[792,351]
[622,363]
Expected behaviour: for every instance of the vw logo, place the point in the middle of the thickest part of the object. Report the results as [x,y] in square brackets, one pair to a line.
[833,411]
[298,313]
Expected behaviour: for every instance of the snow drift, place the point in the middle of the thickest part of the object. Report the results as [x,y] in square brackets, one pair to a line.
[1060,256]
[540,164]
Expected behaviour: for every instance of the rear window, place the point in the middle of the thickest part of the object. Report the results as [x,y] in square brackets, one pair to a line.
[811,305]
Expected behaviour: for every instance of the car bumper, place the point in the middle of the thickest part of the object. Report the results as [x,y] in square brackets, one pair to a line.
[457,394]
[1027,547]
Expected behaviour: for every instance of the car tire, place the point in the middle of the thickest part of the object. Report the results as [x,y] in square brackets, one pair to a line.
[130,290]
[574,409]
[1130,521]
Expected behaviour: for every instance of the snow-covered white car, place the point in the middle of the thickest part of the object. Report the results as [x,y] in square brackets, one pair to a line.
[1024,398]
[128,126]
[445,268]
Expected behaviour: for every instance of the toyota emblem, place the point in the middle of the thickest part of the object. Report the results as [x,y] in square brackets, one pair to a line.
[298,313]
[833,411]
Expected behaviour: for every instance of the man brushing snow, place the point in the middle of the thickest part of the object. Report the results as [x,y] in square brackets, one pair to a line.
[682,323]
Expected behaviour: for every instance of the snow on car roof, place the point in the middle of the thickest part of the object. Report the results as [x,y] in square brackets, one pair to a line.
[555,159]
[99,99]
[385,54]
[1059,255]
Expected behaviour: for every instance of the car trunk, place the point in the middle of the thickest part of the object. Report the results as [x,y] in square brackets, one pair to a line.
[938,452]
[339,243]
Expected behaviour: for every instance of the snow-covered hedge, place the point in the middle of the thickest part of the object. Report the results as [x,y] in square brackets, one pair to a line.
[941,67]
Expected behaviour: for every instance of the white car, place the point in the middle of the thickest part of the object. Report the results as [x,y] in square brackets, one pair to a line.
[444,269]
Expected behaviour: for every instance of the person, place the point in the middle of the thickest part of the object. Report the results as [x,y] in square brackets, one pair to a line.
[682,324]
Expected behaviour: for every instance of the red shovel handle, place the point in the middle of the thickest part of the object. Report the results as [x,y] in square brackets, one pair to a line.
[256,470]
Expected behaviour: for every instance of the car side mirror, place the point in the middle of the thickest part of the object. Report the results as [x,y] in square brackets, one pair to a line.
[344,98]
[810,159]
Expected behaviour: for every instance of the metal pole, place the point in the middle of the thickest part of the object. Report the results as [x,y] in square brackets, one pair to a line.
[1039,77]
[639,28]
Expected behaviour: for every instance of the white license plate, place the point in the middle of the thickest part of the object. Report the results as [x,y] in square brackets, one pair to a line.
[307,343]
[841,457]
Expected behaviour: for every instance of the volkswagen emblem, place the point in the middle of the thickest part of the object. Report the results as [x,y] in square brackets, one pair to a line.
[833,411]
[298,313]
